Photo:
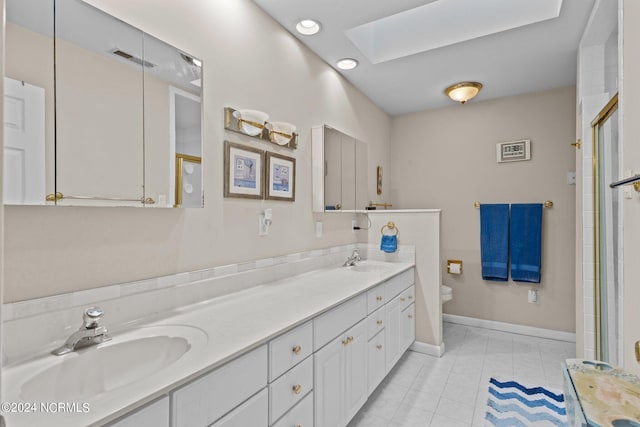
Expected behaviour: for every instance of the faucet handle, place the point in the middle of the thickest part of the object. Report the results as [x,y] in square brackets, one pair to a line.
[91,317]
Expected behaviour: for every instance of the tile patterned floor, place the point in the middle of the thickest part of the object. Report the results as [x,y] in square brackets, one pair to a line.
[451,391]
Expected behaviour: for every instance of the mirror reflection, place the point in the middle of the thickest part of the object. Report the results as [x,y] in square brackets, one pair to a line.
[344,160]
[109,130]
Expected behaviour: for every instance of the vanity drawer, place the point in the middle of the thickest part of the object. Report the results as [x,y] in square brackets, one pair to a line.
[289,389]
[208,398]
[407,297]
[399,283]
[301,415]
[375,322]
[254,412]
[331,324]
[375,298]
[290,349]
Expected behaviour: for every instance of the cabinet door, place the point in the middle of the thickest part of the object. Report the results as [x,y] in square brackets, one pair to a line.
[408,328]
[329,384]
[392,331]
[356,372]
[254,412]
[155,414]
[377,362]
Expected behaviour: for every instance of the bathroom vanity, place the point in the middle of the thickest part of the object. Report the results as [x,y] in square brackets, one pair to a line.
[302,350]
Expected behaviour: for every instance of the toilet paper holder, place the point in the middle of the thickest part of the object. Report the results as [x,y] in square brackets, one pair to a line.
[454,266]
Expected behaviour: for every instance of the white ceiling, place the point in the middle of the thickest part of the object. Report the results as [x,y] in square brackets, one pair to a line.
[407,59]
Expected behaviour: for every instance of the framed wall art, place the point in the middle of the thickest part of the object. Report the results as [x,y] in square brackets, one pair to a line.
[281,177]
[243,171]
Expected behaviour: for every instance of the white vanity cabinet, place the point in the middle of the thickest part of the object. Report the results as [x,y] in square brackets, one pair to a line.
[341,377]
[207,399]
[320,373]
[155,414]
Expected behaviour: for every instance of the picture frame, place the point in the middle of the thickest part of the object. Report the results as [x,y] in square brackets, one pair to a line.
[243,171]
[280,177]
[513,151]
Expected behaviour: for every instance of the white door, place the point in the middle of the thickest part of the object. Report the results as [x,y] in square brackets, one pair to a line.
[356,372]
[408,327]
[377,366]
[392,331]
[24,146]
[328,384]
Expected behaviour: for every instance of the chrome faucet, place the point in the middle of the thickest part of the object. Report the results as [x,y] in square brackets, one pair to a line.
[351,260]
[90,333]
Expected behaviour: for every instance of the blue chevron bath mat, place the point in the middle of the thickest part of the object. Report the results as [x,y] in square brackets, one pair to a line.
[511,404]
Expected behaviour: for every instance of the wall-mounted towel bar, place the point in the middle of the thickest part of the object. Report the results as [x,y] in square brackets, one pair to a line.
[60,196]
[634,180]
[547,204]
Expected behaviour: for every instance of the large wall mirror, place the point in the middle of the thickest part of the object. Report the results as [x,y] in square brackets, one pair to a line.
[97,112]
[339,167]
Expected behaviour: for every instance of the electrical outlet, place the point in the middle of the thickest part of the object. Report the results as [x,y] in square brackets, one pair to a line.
[533,296]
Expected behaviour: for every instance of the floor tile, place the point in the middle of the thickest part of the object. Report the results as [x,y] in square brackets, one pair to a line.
[451,391]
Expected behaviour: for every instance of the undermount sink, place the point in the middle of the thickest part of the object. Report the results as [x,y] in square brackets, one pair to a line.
[128,358]
[369,268]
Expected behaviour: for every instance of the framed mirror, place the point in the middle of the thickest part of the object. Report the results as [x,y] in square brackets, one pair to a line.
[107,130]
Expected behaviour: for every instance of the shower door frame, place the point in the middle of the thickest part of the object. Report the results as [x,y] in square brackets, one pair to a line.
[605,114]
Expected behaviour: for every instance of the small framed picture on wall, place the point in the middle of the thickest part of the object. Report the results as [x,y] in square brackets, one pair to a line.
[243,171]
[281,177]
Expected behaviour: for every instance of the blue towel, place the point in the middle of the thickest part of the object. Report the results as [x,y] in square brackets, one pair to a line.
[494,241]
[389,243]
[526,242]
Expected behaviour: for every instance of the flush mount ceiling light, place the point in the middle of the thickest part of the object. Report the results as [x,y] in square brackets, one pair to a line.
[347,64]
[462,92]
[308,27]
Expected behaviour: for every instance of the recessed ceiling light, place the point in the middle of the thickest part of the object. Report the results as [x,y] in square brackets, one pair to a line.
[308,27]
[347,64]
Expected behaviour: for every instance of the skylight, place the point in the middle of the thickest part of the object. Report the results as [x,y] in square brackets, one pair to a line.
[446,22]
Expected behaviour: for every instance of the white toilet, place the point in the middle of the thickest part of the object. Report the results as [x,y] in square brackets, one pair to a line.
[446,293]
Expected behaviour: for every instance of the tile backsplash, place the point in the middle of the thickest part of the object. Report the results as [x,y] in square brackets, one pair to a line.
[51,320]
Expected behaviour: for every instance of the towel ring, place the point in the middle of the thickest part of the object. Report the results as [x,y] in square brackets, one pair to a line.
[391,226]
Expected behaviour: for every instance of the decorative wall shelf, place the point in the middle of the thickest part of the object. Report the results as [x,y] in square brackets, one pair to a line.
[234,122]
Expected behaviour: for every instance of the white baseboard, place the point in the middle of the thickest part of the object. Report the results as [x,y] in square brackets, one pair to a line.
[430,349]
[510,327]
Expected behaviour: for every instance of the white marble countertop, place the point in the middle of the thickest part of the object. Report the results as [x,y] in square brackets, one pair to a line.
[230,326]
